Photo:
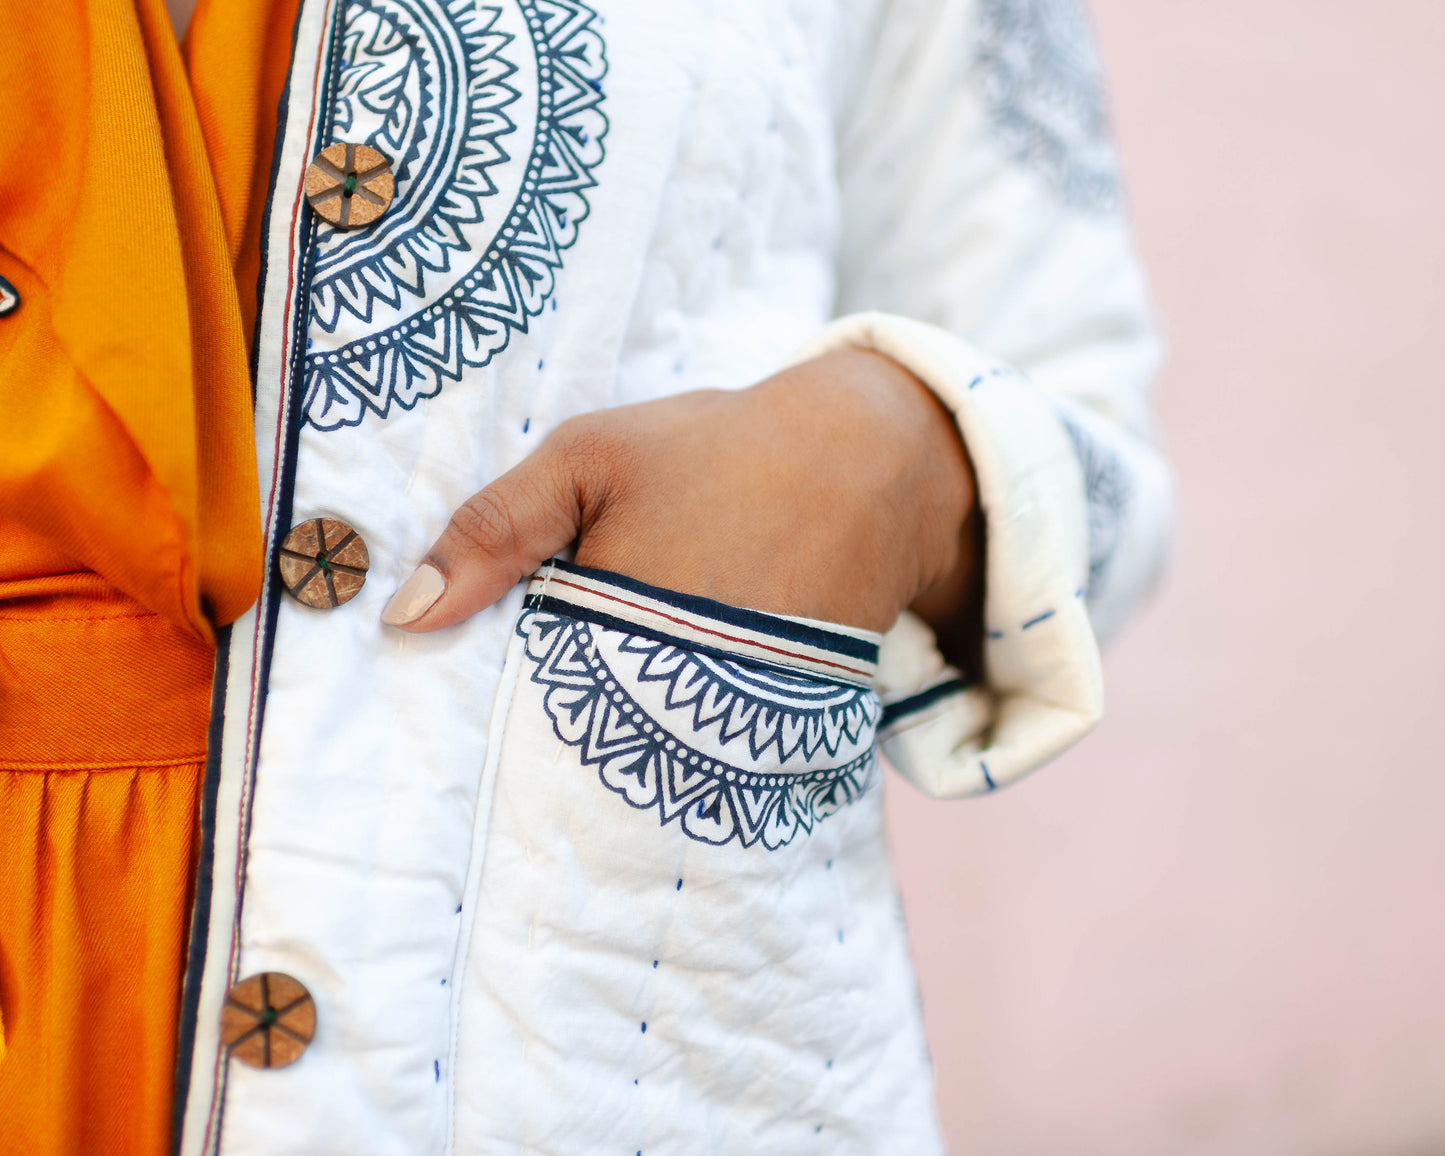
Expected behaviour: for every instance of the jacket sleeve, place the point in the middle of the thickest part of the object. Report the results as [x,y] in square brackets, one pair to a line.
[984,246]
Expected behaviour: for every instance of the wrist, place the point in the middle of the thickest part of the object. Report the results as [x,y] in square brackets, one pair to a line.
[950,588]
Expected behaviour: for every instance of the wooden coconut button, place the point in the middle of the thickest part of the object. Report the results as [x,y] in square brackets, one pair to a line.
[349,185]
[268,1020]
[323,562]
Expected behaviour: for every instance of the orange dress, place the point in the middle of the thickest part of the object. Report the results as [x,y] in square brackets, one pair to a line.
[131,192]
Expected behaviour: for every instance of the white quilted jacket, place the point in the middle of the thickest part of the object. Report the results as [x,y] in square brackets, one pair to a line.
[602,870]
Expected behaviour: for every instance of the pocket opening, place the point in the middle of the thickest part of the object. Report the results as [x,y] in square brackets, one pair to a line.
[821,650]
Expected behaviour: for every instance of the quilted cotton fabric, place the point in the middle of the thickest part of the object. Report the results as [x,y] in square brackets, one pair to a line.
[528,922]
[741,976]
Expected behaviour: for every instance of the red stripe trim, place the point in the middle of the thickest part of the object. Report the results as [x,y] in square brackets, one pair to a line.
[692,625]
[211,1138]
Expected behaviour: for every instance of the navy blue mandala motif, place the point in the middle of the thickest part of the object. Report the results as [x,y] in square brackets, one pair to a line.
[727,749]
[1107,491]
[1041,81]
[490,113]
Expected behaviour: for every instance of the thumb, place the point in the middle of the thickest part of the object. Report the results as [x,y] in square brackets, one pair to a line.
[495,539]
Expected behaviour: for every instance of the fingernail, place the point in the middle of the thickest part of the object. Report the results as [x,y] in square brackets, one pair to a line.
[415,596]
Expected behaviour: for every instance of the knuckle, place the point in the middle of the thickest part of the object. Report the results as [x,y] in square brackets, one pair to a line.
[594,451]
[580,437]
[484,522]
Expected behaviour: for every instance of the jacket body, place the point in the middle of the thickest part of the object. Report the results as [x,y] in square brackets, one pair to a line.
[602,869]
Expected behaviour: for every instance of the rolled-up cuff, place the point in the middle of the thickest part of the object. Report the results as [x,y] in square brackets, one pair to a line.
[1042,686]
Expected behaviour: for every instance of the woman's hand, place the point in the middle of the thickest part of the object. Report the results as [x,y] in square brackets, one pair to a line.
[838,490]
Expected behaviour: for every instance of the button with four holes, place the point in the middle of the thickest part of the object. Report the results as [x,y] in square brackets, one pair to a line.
[349,184]
[323,562]
[268,1020]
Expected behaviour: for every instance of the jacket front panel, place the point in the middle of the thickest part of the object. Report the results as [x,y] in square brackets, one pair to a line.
[590,208]
[681,934]
[461,843]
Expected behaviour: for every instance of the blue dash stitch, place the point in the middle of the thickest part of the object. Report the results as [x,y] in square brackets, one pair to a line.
[996,371]
[1044,617]
[987,778]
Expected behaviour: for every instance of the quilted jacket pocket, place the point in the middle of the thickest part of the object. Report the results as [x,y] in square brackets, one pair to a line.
[732,724]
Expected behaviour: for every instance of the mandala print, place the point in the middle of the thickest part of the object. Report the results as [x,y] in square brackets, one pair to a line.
[727,749]
[490,115]
[1041,80]
[1107,492]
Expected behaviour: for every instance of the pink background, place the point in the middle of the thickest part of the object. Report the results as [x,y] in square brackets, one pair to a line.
[1219,926]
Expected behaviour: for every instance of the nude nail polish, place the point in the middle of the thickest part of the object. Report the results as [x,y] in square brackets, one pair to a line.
[415,596]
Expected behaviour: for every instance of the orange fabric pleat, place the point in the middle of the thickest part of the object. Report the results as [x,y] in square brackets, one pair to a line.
[95,878]
[132,195]
[103,709]
[131,198]
[238,53]
[124,375]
